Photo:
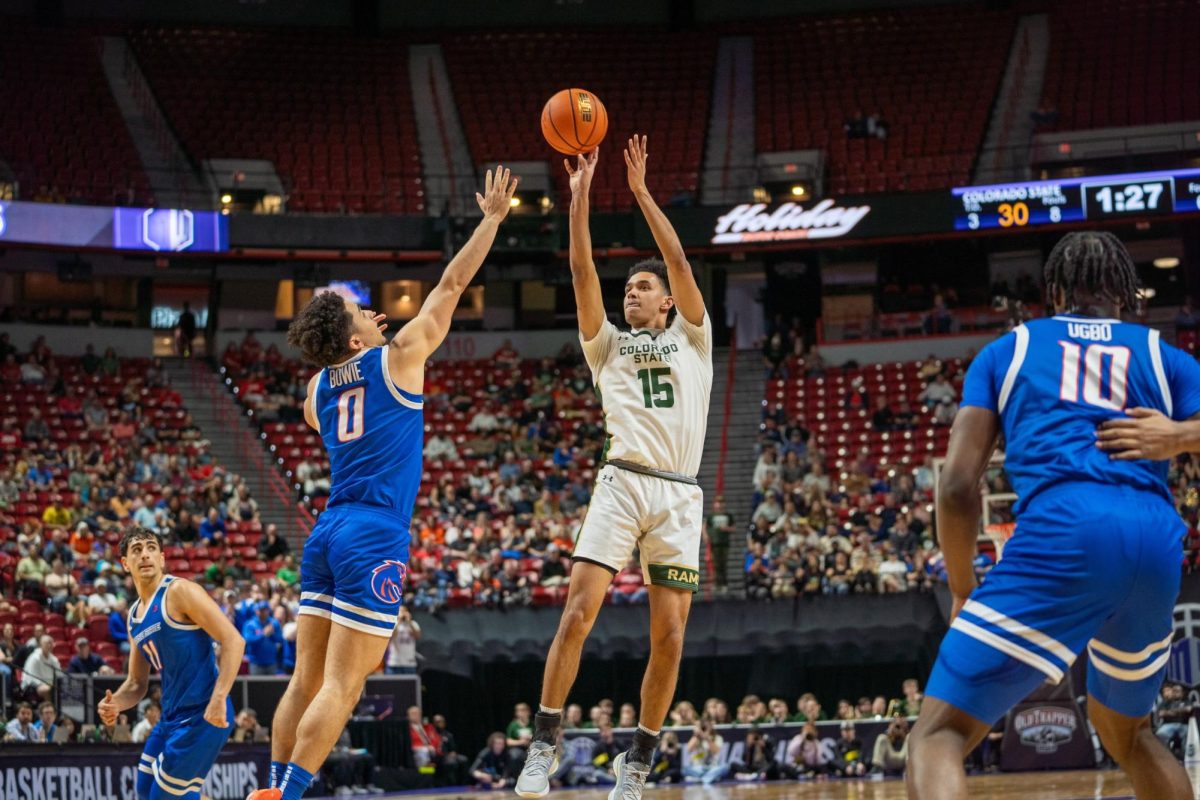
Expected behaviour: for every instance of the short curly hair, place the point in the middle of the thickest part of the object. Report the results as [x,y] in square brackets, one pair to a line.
[136,532]
[321,332]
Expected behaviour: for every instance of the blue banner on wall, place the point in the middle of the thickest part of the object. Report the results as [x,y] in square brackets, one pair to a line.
[162,230]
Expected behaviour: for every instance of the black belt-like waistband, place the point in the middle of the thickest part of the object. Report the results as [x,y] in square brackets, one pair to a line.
[678,477]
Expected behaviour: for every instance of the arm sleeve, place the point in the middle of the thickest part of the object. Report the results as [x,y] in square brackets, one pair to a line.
[699,335]
[981,387]
[1183,381]
[596,349]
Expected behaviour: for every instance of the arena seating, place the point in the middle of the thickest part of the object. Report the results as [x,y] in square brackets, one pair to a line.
[656,83]
[54,77]
[930,73]
[1122,62]
[818,403]
[103,454]
[334,113]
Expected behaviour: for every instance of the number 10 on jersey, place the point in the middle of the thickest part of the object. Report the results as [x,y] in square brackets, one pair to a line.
[1094,359]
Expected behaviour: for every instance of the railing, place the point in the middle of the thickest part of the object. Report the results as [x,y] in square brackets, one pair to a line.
[251,447]
[1014,101]
[909,324]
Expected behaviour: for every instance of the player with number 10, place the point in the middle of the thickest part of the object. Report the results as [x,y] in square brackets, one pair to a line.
[1095,562]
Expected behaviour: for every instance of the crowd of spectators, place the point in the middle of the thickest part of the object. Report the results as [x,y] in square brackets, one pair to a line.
[706,756]
[87,446]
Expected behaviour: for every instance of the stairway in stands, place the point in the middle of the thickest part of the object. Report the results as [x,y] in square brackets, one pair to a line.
[236,445]
[743,386]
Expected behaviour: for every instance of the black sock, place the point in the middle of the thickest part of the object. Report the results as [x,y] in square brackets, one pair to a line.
[545,727]
[644,745]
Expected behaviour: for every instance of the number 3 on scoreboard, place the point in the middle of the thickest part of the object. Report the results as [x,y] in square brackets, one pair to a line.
[1093,367]
[350,414]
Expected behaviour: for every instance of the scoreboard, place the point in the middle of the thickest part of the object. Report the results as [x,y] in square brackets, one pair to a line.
[1105,197]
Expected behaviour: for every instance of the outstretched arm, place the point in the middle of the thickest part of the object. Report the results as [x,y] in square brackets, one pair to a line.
[425,333]
[688,298]
[972,440]
[588,299]
[190,602]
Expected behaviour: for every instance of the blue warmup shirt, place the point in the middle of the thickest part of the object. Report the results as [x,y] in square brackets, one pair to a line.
[1053,381]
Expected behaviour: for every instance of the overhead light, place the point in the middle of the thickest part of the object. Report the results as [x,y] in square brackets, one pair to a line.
[761,195]
[516,201]
[1166,262]
[226,198]
[1147,293]
[544,201]
[799,191]
[404,298]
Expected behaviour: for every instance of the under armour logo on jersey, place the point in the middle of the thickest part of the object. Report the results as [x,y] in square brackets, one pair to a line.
[387,581]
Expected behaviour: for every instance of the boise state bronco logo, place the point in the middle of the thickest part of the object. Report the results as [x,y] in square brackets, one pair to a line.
[387,581]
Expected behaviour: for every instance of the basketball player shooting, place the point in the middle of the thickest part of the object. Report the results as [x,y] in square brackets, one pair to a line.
[366,403]
[654,382]
[1095,561]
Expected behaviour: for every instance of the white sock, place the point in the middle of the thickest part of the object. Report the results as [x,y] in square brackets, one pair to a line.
[543,710]
[646,730]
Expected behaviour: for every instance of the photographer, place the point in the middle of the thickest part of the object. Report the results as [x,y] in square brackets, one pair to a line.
[757,762]
[1172,713]
[891,749]
[849,761]
[703,755]
[804,754]
[669,768]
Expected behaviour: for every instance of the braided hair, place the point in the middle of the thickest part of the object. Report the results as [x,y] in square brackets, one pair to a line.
[1089,266]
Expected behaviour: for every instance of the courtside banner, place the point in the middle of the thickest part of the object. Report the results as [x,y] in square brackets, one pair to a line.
[109,772]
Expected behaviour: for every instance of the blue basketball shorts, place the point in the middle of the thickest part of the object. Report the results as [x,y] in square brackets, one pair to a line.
[1090,566]
[178,756]
[354,566]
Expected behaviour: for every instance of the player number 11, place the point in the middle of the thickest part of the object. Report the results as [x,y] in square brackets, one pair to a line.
[1093,369]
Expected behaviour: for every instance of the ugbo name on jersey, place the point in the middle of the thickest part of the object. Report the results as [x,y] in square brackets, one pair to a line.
[1091,331]
[649,352]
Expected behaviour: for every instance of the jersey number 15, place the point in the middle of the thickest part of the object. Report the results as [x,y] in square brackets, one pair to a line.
[1095,359]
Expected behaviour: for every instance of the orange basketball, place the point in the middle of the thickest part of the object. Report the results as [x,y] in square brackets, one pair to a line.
[574,121]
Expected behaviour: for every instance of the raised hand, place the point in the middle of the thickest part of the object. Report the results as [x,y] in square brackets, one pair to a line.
[581,174]
[635,163]
[497,195]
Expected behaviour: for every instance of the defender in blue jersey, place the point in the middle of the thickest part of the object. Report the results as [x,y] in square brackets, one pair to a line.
[366,403]
[173,626]
[1096,559]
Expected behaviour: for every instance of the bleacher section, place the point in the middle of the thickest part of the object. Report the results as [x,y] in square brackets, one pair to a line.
[333,112]
[652,82]
[1122,62]
[63,135]
[930,73]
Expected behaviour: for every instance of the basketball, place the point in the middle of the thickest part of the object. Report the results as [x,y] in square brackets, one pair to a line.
[574,121]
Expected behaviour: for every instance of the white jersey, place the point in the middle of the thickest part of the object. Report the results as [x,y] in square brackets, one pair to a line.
[654,388]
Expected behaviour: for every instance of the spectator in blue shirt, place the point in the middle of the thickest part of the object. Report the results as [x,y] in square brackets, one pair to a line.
[212,529]
[46,722]
[118,628]
[39,475]
[85,662]
[263,640]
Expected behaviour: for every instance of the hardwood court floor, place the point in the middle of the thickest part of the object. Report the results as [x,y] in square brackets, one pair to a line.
[1080,785]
